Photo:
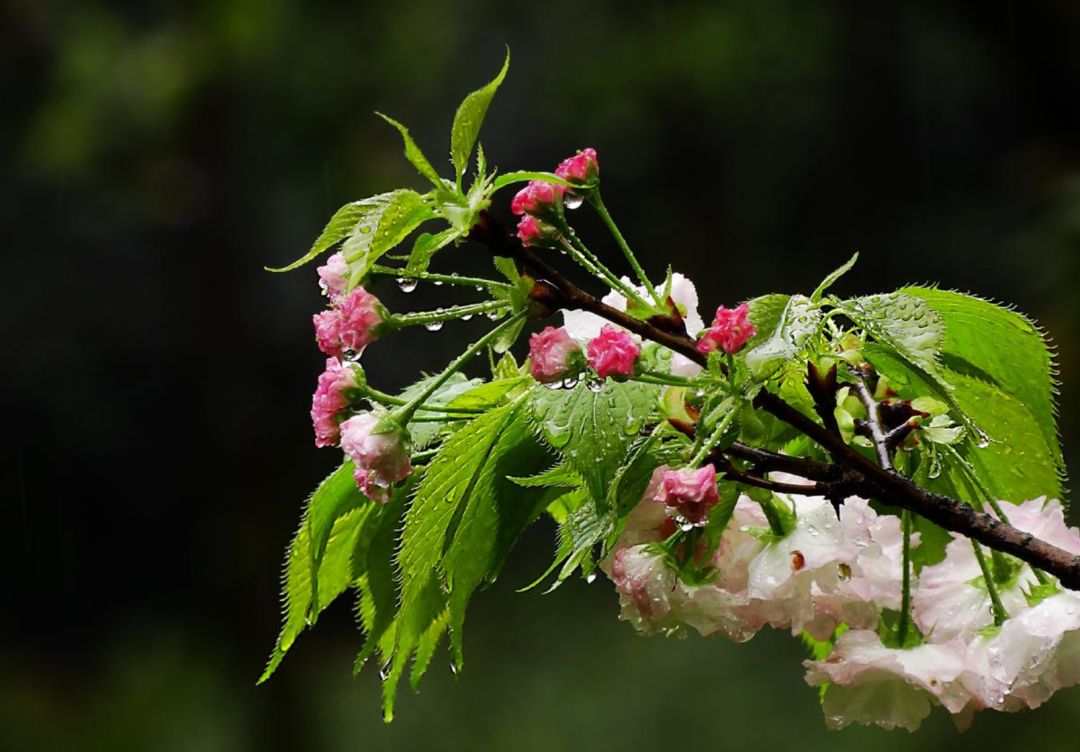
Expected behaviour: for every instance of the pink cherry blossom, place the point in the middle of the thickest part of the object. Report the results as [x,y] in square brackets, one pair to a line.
[330,401]
[361,314]
[613,353]
[729,331]
[334,277]
[647,587]
[552,353]
[535,197]
[580,168]
[889,687]
[328,331]
[381,456]
[951,600]
[689,493]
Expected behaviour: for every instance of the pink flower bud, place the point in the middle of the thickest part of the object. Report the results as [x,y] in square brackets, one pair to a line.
[553,354]
[580,168]
[529,230]
[328,332]
[361,315]
[535,197]
[331,400]
[729,331]
[379,450]
[334,277]
[689,493]
[613,353]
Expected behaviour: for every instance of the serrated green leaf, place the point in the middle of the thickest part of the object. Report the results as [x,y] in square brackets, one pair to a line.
[832,278]
[375,578]
[425,648]
[456,530]
[1002,346]
[357,218]
[491,394]
[906,324]
[336,534]
[560,475]
[592,430]
[468,119]
[423,433]
[426,246]
[413,153]
[404,212]
[787,337]
[524,176]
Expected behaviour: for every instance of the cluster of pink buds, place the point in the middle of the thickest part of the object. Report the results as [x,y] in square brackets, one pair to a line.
[537,199]
[378,446]
[729,331]
[846,569]
[556,356]
[353,321]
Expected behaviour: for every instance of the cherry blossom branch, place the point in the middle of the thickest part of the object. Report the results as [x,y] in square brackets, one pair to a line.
[865,477]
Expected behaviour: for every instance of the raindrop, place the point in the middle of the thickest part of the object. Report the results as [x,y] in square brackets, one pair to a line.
[493,315]
[433,326]
[479,288]
[570,383]
[983,441]
[813,531]
[686,527]
[466,317]
[406,285]
[594,385]
[453,668]
[572,200]
[438,283]
[845,572]
[591,578]
[384,671]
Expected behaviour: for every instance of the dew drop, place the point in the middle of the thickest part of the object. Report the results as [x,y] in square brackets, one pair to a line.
[384,671]
[434,326]
[406,285]
[479,288]
[591,578]
[572,200]
[453,668]
[438,283]
[466,317]
[493,315]
[570,383]
[845,572]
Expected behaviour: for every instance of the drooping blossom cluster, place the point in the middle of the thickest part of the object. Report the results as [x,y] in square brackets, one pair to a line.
[534,202]
[377,445]
[554,355]
[613,353]
[844,570]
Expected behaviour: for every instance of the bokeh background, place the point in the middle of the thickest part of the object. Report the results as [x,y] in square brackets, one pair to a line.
[155,381]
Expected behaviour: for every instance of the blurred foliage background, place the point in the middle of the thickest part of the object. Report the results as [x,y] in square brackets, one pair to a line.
[156,382]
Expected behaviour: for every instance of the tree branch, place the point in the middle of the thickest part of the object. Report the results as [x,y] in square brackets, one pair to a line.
[862,475]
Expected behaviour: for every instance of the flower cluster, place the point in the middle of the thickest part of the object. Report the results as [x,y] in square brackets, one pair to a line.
[729,331]
[537,200]
[832,576]
[378,446]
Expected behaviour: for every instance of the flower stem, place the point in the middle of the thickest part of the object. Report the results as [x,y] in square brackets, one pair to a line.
[440,315]
[713,440]
[598,205]
[388,399]
[581,253]
[1000,614]
[405,413]
[450,279]
[905,604]
[663,379]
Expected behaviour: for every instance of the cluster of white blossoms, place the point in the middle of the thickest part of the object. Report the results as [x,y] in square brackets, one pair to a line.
[833,576]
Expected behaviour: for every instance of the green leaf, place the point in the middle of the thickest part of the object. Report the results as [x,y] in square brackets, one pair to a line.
[560,475]
[523,176]
[787,337]
[334,515]
[404,212]
[413,153]
[423,433]
[425,248]
[358,218]
[469,118]
[491,394]
[832,278]
[904,323]
[375,577]
[462,522]
[592,430]
[1003,347]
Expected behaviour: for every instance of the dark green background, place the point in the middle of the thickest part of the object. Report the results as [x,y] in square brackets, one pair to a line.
[156,382]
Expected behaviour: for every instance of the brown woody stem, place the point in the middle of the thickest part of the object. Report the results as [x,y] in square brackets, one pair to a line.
[860,474]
